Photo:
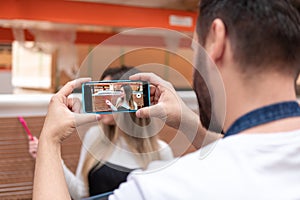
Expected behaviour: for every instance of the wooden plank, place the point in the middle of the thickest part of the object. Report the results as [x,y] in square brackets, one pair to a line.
[16,165]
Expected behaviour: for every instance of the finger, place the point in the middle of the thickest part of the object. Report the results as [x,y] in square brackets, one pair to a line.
[156,95]
[67,89]
[74,104]
[35,139]
[82,119]
[33,146]
[152,89]
[152,111]
[34,154]
[33,149]
[150,77]
[33,143]
[152,100]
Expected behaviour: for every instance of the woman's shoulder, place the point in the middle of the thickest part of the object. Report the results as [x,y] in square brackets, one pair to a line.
[93,133]
[162,144]
[165,151]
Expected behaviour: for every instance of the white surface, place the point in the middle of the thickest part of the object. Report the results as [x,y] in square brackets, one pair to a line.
[5,86]
[36,104]
[24,105]
[184,21]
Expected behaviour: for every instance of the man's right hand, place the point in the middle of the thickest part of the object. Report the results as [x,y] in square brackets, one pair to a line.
[165,102]
[168,106]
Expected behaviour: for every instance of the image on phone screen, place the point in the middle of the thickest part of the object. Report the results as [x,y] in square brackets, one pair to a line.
[115,96]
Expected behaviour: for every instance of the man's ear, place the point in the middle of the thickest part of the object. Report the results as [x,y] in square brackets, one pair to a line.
[216,40]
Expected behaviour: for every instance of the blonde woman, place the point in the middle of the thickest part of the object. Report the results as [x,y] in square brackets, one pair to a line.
[125,101]
[109,152]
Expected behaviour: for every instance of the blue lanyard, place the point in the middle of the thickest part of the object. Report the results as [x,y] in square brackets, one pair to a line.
[264,115]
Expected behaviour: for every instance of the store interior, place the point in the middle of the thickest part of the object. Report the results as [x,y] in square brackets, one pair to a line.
[45,44]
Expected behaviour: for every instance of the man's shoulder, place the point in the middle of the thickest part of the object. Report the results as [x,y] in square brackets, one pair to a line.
[181,178]
[212,171]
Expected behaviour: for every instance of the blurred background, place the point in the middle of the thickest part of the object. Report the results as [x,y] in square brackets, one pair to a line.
[44,44]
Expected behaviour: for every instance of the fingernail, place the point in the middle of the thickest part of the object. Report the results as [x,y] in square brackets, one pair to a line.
[138,113]
[98,117]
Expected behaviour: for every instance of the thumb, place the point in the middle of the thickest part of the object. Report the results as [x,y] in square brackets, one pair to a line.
[82,119]
[152,111]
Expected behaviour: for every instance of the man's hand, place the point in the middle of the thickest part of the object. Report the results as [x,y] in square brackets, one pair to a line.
[62,119]
[165,102]
[168,106]
[63,113]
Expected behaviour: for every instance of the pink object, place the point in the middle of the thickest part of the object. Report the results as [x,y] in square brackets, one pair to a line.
[23,122]
[107,102]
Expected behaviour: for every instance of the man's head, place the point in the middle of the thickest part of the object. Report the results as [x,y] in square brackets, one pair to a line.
[296,4]
[262,36]
[262,33]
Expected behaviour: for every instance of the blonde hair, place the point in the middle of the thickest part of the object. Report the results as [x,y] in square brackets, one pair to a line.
[144,147]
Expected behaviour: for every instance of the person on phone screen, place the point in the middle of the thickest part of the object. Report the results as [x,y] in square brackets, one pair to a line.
[125,101]
[105,159]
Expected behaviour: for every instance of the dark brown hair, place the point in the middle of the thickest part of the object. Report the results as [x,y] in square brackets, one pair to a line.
[263,33]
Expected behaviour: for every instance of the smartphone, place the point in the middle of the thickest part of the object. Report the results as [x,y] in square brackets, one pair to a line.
[106,97]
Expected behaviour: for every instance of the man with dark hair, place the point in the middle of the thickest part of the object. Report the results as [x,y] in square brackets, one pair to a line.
[255,45]
[263,37]
[296,3]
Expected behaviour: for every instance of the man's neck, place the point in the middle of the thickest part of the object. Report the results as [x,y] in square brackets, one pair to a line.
[246,95]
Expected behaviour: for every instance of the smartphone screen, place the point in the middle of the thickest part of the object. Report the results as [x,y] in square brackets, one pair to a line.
[115,96]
